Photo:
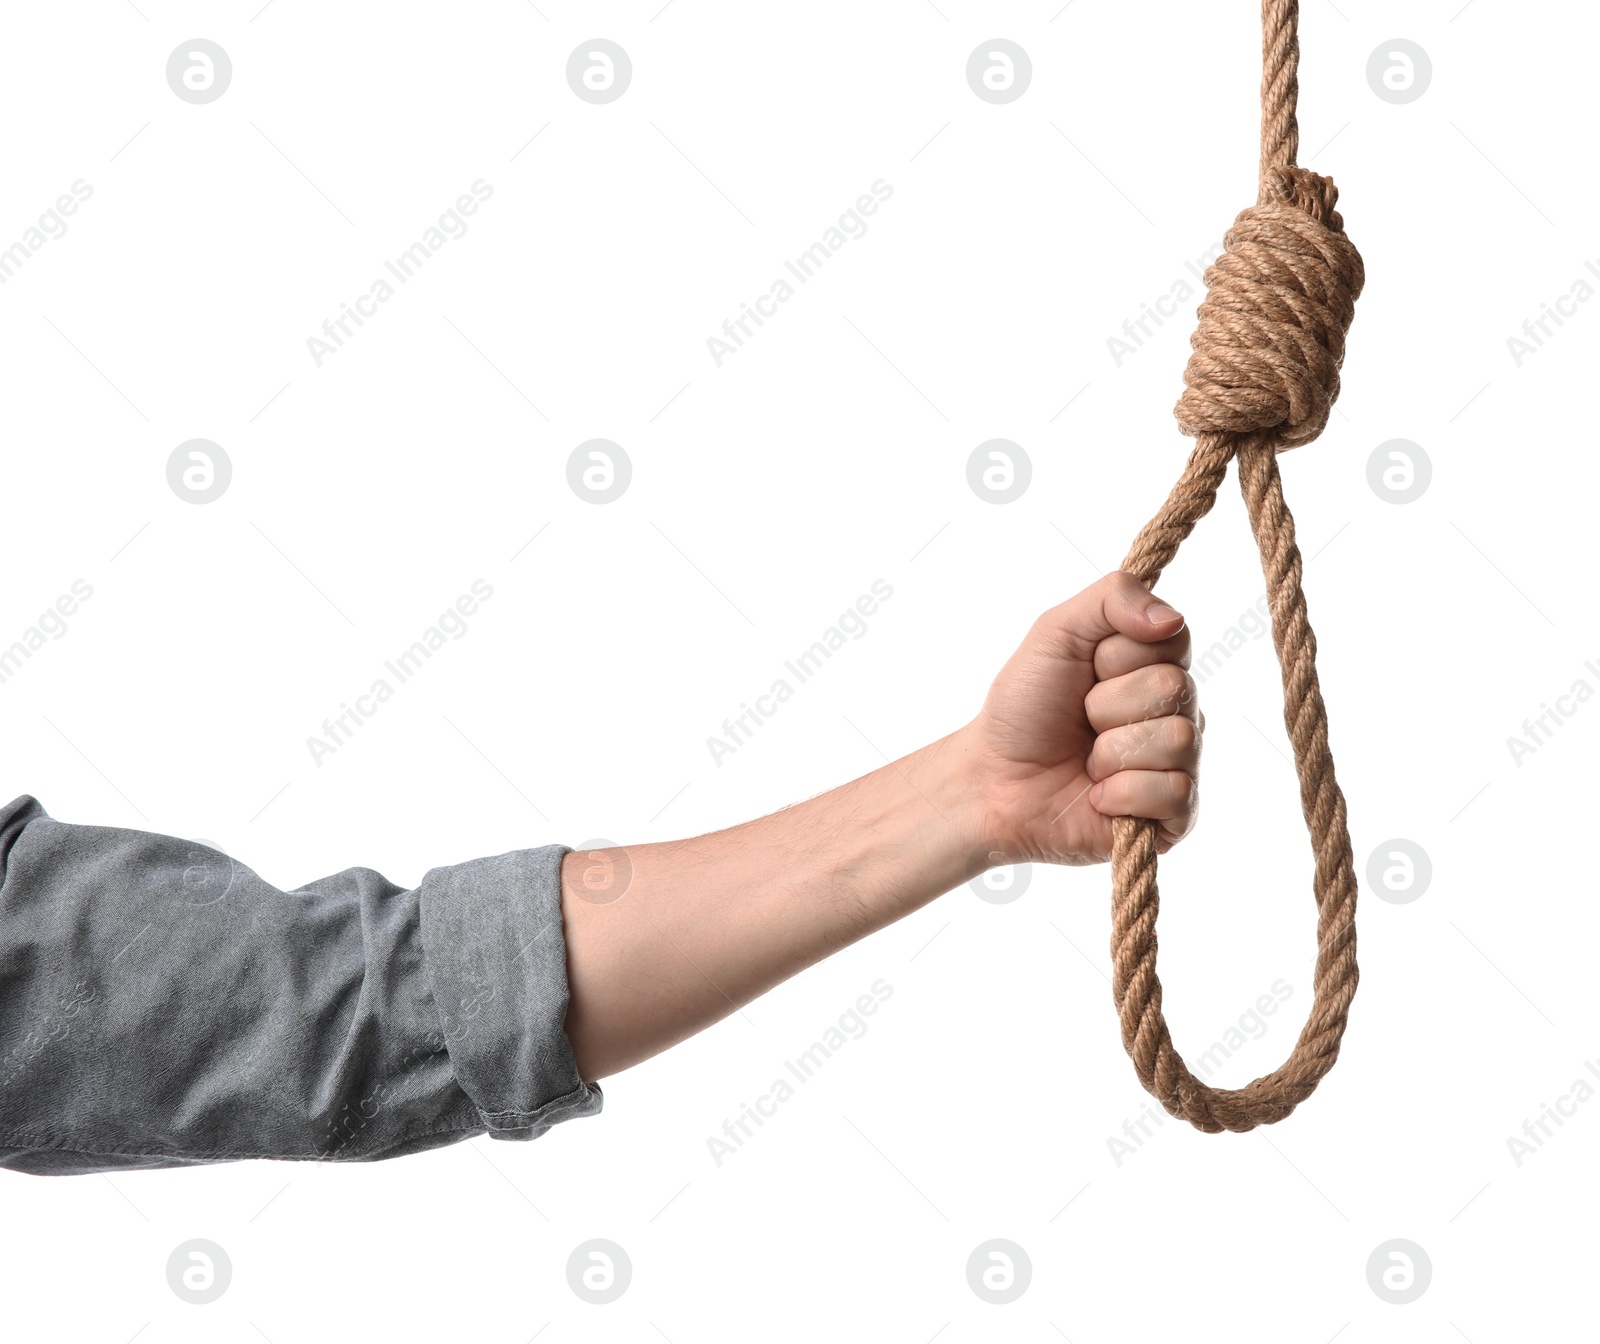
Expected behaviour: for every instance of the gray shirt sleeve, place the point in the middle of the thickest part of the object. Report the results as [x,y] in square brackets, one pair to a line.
[162,1006]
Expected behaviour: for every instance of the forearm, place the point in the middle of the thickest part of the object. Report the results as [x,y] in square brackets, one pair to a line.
[673,937]
[352,1019]
[665,939]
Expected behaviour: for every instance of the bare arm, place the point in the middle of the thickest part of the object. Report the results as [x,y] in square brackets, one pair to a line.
[1094,716]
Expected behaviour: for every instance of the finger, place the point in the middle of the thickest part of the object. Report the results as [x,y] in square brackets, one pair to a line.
[1115,604]
[1148,693]
[1171,743]
[1119,654]
[1166,796]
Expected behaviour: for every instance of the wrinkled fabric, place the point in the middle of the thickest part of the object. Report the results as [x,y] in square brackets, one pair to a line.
[161,1005]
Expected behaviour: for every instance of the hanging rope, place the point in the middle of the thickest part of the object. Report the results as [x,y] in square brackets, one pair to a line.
[1262,379]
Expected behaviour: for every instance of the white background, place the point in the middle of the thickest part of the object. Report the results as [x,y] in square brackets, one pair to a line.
[768,494]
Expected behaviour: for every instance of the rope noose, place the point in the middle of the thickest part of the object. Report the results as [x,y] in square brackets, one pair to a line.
[1262,379]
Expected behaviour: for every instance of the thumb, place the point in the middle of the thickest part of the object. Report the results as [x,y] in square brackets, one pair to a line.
[1115,604]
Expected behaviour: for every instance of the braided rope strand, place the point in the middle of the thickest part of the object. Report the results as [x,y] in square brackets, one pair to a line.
[1280,84]
[1262,379]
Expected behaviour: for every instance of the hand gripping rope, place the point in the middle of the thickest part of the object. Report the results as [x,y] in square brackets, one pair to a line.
[1263,377]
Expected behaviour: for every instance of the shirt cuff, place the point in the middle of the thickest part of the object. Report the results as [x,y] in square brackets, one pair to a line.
[496,956]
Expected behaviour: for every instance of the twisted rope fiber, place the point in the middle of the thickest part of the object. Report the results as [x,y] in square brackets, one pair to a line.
[1262,379]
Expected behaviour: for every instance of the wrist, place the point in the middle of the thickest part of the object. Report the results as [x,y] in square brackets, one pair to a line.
[1002,811]
[976,835]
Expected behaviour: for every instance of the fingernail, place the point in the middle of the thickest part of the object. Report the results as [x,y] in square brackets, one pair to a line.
[1160,614]
[1095,794]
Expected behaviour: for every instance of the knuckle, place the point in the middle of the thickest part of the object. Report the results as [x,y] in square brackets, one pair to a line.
[1182,734]
[1188,696]
[1132,744]
[1171,687]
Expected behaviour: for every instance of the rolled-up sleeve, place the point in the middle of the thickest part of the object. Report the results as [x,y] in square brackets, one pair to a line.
[161,1005]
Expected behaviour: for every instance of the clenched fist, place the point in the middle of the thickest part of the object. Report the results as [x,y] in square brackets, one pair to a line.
[1093,717]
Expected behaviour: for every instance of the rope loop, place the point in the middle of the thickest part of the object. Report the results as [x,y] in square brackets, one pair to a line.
[1262,378]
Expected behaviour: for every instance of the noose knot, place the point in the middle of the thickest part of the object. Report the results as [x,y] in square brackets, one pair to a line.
[1263,377]
[1272,326]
